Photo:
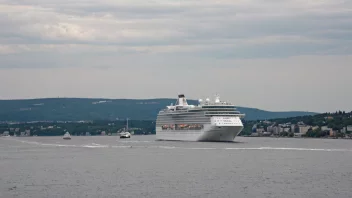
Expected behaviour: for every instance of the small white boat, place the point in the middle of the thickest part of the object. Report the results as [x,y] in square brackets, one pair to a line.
[67,136]
[5,134]
[125,135]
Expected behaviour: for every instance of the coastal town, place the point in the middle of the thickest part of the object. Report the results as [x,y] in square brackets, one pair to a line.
[299,129]
[337,125]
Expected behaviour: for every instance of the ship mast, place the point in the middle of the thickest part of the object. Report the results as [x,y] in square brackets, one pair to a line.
[127,125]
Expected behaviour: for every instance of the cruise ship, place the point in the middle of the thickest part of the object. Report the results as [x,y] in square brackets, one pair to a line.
[208,121]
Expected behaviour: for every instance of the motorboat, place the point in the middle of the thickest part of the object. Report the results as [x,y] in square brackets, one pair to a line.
[67,136]
[125,134]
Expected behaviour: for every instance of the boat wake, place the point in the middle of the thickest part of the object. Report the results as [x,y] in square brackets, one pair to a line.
[131,141]
[95,145]
[290,149]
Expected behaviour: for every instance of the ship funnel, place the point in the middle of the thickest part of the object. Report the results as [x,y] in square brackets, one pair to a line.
[182,100]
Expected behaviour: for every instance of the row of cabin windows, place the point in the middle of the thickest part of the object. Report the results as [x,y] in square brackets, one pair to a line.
[220,110]
[218,107]
[182,127]
[233,113]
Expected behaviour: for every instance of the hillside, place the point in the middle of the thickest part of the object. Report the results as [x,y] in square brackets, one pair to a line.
[74,109]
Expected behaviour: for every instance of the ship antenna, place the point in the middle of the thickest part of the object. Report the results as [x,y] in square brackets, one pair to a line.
[217,98]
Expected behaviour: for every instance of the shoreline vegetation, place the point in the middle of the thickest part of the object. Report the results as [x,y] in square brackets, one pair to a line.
[327,125]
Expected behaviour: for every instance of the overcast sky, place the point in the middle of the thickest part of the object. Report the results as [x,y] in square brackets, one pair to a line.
[269,54]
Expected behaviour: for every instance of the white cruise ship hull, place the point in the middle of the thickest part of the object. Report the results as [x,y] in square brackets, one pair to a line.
[210,133]
[220,128]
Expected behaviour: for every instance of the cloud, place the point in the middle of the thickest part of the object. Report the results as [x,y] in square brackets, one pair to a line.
[287,54]
[173,26]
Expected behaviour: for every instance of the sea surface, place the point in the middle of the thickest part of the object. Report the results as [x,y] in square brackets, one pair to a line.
[106,166]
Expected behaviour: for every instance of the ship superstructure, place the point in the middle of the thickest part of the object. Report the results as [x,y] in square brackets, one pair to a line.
[208,121]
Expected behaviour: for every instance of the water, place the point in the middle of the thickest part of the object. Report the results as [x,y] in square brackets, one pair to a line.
[141,167]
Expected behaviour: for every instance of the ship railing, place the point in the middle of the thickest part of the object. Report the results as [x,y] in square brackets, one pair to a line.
[224,114]
[219,104]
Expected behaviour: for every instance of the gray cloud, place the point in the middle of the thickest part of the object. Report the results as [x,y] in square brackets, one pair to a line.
[219,46]
[170,23]
[226,29]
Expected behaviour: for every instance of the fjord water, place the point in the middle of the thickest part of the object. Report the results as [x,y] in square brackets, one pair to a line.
[142,167]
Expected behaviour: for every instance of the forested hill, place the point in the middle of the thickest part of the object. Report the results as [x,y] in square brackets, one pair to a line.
[75,109]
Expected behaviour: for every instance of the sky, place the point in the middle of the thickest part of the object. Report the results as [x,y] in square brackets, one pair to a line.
[275,55]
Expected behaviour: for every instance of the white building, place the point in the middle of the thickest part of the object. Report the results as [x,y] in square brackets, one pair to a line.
[315,128]
[343,130]
[349,128]
[304,129]
[260,130]
[6,133]
[27,132]
[269,129]
[276,130]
